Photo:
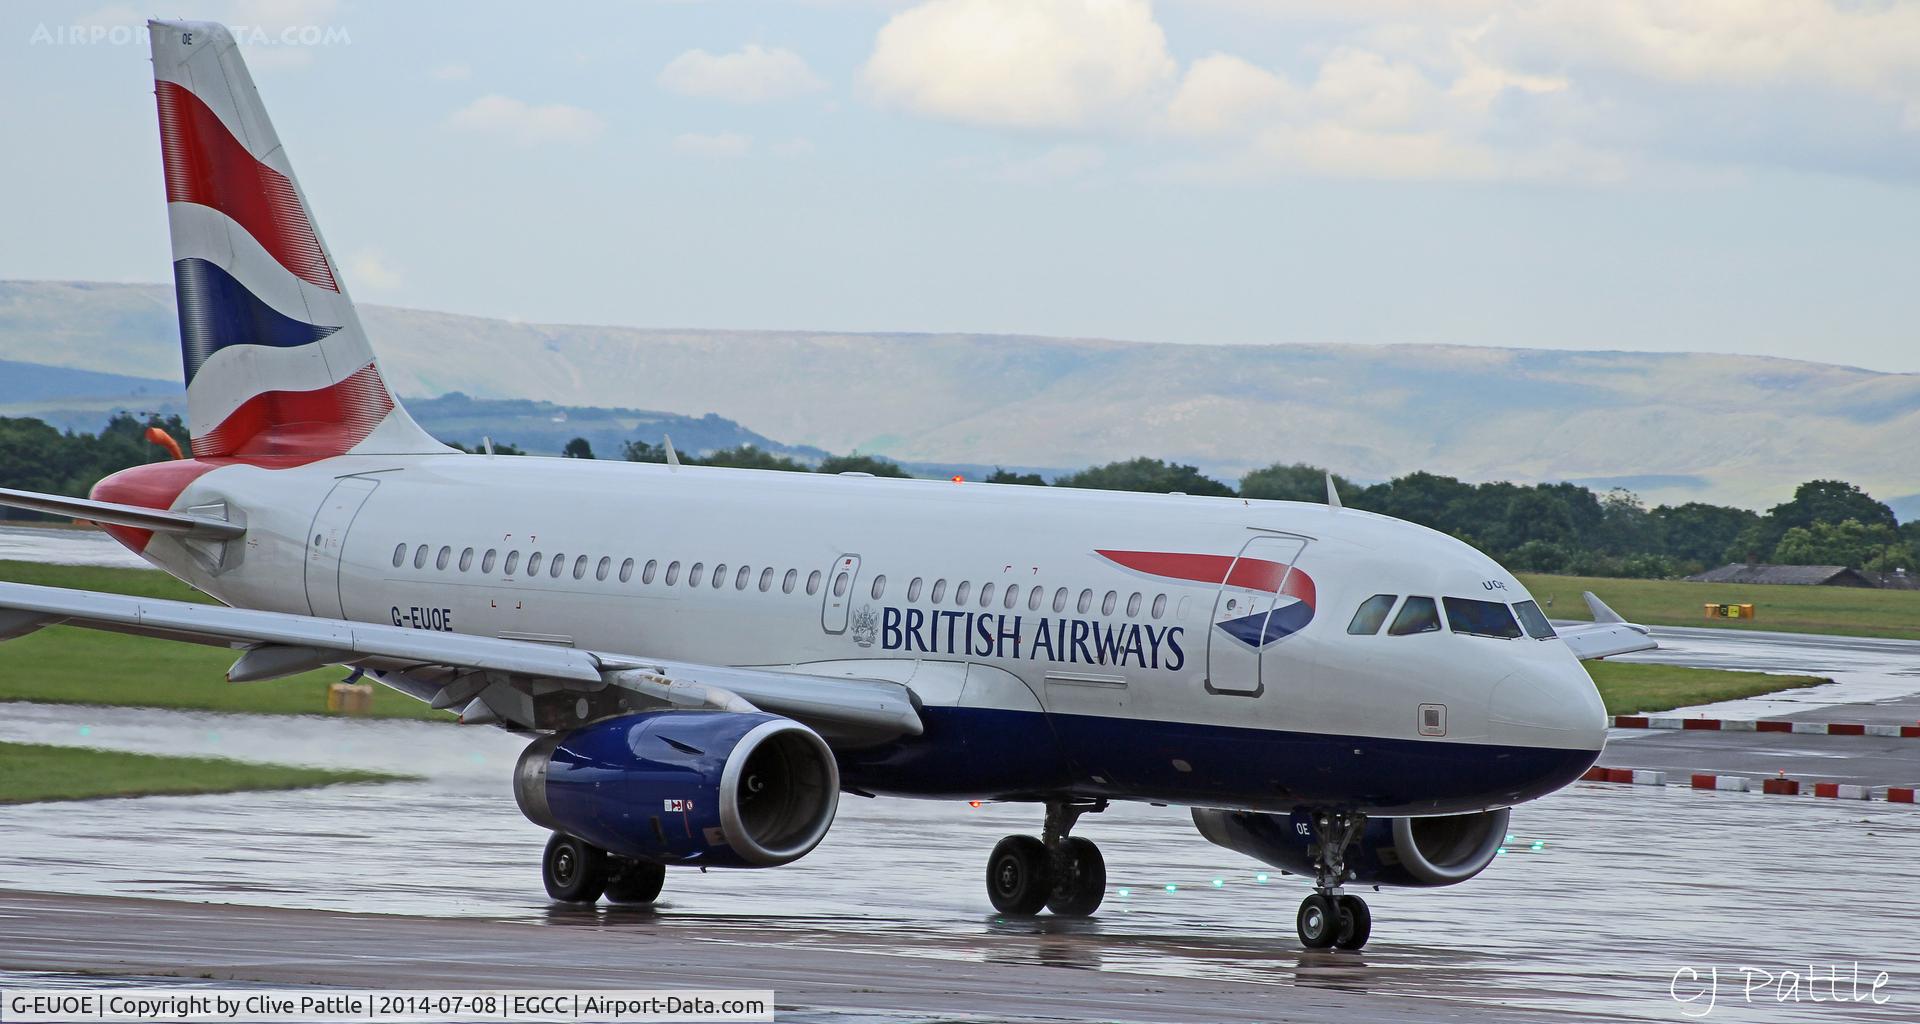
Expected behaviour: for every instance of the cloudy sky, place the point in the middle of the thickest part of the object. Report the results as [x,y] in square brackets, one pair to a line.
[1715,175]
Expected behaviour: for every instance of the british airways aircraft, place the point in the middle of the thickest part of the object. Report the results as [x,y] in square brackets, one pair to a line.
[705,659]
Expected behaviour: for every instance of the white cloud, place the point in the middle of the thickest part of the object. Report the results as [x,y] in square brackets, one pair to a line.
[716,145]
[1020,63]
[1222,93]
[525,124]
[369,268]
[1060,163]
[752,74]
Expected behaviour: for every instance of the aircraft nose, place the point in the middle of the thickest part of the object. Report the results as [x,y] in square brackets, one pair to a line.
[1548,706]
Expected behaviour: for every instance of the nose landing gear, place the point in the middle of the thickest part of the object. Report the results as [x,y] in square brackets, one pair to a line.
[1062,873]
[1329,917]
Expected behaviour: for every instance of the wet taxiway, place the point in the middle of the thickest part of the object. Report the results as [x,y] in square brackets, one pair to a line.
[1605,894]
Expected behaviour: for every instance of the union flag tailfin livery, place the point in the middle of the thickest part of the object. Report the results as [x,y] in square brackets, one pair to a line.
[704,659]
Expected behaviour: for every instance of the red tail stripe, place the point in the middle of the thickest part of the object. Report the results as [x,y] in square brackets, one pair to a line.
[207,166]
[1249,573]
[301,426]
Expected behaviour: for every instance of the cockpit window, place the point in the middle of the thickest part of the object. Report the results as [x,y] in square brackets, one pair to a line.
[1535,620]
[1418,615]
[1481,618]
[1373,611]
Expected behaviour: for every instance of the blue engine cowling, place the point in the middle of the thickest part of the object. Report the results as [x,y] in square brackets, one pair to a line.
[708,788]
[1418,852]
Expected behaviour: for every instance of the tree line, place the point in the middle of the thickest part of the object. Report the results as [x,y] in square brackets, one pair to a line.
[1557,528]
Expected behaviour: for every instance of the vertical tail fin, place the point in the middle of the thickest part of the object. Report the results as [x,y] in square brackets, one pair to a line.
[277,364]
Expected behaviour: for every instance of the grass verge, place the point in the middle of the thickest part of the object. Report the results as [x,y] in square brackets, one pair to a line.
[1629,687]
[32,772]
[1847,611]
[68,665]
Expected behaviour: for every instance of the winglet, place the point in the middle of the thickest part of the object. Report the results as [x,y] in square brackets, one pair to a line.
[1601,613]
[1333,494]
[673,457]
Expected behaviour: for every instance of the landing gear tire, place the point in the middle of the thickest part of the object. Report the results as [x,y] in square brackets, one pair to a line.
[1019,876]
[635,881]
[1318,921]
[575,871]
[1079,878]
[1356,922]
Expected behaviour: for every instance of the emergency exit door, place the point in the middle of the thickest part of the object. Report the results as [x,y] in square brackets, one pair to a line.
[1244,620]
[327,539]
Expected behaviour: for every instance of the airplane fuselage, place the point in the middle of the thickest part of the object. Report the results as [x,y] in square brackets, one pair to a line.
[1059,642]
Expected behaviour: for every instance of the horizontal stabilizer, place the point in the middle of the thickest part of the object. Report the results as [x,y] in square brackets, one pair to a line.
[108,513]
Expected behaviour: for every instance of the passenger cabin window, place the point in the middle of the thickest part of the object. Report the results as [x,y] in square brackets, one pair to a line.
[913,589]
[1133,606]
[741,577]
[559,566]
[960,592]
[766,579]
[939,591]
[1535,621]
[580,568]
[986,594]
[1012,596]
[533,564]
[673,572]
[787,584]
[1373,611]
[646,574]
[1060,600]
[696,574]
[466,559]
[1418,615]
[840,585]
[879,586]
[420,557]
[487,560]
[813,583]
[1107,603]
[1481,618]
[719,575]
[1034,597]
[1085,602]
[1159,605]
[400,555]
[513,562]
[440,560]
[600,571]
[626,570]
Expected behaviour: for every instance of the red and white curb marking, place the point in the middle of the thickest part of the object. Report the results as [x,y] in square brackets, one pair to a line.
[1766,725]
[1779,786]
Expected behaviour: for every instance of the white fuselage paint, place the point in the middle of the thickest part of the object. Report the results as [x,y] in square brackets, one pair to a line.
[1320,681]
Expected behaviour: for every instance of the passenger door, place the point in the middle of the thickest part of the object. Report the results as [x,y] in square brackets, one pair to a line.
[839,593]
[325,541]
[1243,623]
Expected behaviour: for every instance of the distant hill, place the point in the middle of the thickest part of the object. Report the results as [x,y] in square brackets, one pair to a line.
[1734,429]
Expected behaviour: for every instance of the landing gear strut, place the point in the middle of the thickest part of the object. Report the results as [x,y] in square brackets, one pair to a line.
[1330,917]
[1060,872]
[576,871]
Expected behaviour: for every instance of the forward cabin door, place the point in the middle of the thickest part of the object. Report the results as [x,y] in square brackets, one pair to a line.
[327,539]
[839,593]
[1244,620]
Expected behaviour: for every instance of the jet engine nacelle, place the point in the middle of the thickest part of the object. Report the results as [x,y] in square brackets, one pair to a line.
[712,788]
[1419,852]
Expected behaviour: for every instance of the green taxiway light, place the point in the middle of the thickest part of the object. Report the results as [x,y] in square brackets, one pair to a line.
[1261,878]
[1538,845]
[1217,883]
[1501,850]
[1124,893]
[1172,887]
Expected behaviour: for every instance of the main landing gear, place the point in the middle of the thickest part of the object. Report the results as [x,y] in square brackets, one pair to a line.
[1330,917]
[1062,873]
[576,871]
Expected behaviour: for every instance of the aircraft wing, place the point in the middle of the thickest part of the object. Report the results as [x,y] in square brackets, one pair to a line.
[524,684]
[1607,635]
